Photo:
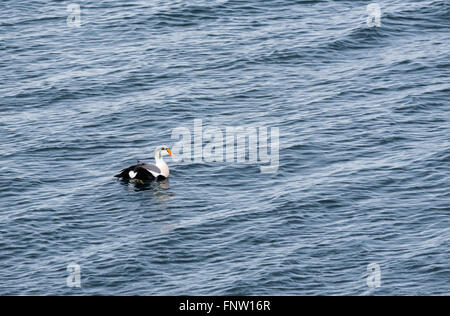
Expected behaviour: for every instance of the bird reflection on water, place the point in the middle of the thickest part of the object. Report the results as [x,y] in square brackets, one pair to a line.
[159,188]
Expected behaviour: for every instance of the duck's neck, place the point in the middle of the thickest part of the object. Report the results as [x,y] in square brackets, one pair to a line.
[161,164]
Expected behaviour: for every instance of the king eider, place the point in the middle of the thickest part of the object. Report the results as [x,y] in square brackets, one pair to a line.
[148,172]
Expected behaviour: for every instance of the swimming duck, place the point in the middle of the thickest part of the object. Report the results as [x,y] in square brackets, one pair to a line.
[146,172]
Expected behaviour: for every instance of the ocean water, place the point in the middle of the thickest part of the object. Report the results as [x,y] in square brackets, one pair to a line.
[364,149]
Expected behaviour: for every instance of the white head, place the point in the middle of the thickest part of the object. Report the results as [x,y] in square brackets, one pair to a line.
[162,151]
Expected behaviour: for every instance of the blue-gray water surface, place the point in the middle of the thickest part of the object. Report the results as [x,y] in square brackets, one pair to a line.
[364,160]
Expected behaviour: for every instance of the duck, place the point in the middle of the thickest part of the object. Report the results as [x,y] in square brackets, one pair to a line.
[143,171]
